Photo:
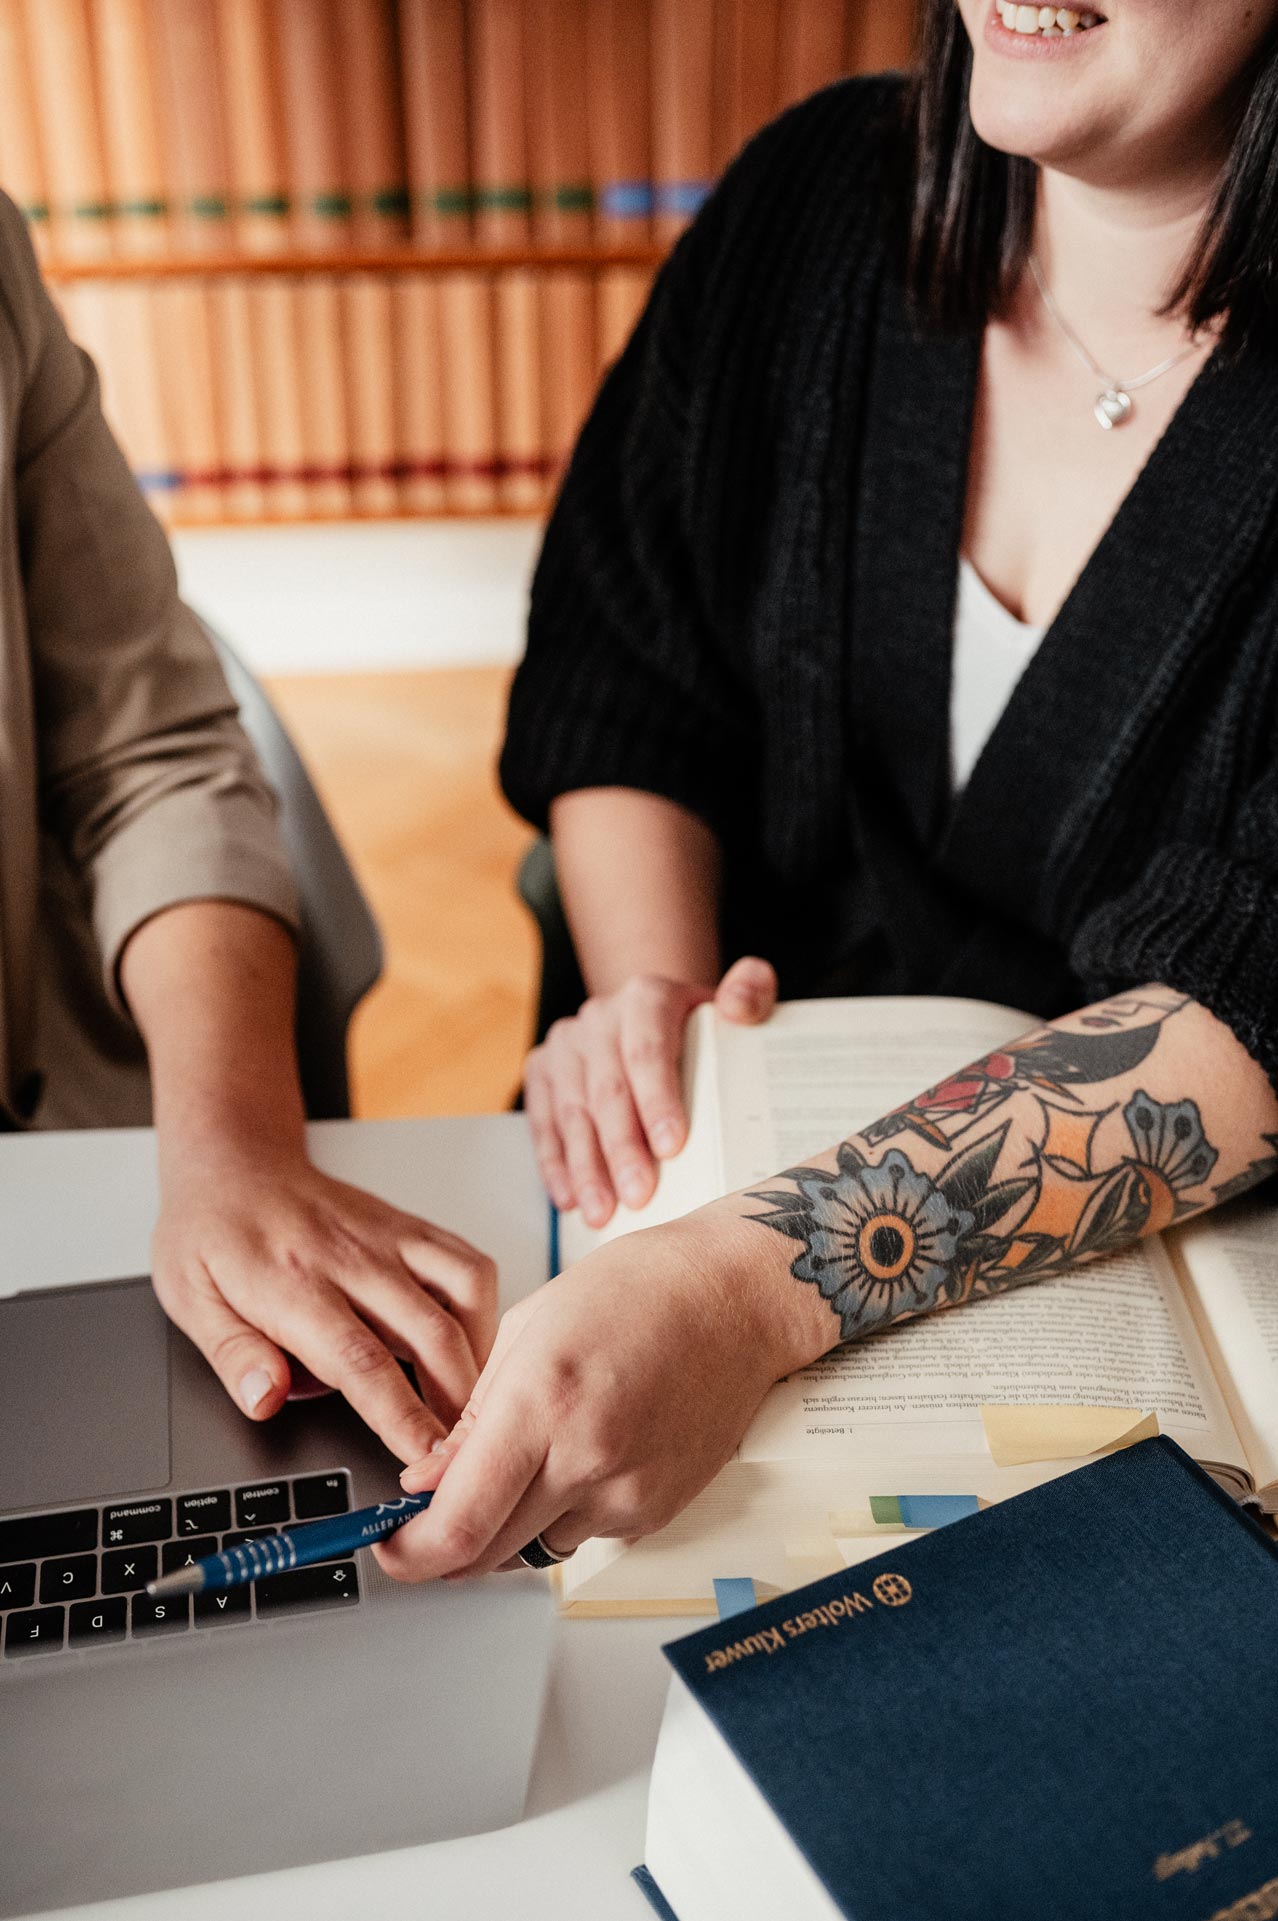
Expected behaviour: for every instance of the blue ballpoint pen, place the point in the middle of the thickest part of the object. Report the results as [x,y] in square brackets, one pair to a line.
[294,1547]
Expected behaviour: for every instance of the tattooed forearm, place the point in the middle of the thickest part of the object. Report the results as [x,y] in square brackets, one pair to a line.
[1009,1171]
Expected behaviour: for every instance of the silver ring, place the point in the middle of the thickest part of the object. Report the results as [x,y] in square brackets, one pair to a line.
[538,1555]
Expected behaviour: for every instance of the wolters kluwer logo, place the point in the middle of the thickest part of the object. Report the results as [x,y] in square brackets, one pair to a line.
[892,1589]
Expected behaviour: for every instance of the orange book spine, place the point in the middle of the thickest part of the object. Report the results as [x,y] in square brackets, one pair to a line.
[326,423]
[436,78]
[231,329]
[433,62]
[71,135]
[420,441]
[619,105]
[375,168]
[560,157]
[184,347]
[254,125]
[130,125]
[368,330]
[133,399]
[745,80]
[811,54]
[503,198]
[881,36]
[470,417]
[682,95]
[321,205]
[503,207]
[621,293]
[194,124]
[275,324]
[320,202]
[21,161]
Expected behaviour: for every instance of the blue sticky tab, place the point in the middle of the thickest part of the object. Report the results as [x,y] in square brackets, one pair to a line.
[936,1510]
[626,199]
[682,196]
[733,1596]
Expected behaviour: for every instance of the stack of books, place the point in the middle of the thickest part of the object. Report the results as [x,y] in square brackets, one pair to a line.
[371,256]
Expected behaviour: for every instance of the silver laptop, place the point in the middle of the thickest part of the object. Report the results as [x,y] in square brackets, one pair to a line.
[323,1713]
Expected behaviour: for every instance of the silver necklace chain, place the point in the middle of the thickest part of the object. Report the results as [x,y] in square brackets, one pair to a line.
[1113,404]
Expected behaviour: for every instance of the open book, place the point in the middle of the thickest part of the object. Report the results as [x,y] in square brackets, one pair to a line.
[1185,1325]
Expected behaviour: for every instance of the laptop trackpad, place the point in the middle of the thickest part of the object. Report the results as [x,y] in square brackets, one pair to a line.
[84,1394]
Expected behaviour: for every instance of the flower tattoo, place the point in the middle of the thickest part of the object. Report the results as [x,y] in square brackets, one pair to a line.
[877,1241]
[883,1238]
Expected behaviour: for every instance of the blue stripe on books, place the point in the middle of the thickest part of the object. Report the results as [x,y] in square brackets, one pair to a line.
[734,1596]
[627,199]
[161,480]
[936,1510]
[681,196]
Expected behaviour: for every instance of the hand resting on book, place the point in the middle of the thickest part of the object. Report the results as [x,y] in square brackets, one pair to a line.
[602,1091]
[613,1395]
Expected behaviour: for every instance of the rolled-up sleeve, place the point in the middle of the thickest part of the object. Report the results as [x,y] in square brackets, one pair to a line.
[1205,921]
[145,775]
[625,682]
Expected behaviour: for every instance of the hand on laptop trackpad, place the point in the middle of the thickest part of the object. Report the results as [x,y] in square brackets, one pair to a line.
[84,1394]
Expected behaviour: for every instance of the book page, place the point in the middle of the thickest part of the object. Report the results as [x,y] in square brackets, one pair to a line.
[1114,1333]
[694,1177]
[819,1070]
[1229,1260]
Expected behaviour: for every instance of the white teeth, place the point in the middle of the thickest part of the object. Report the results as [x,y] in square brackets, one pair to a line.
[1048,21]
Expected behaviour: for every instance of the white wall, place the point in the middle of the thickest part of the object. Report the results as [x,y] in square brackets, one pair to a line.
[355,596]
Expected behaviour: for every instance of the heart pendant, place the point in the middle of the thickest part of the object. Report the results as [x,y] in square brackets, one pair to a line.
[1112,407]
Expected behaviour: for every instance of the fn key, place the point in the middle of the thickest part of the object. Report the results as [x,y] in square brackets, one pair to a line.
[335,1584]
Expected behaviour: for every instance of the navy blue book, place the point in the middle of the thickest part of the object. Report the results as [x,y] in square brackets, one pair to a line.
[1062,1709]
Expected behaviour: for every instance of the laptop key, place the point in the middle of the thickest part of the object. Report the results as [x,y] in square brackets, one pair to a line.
[334,1584]
[170,1614]
[237,1535]
[223,1604]
[96,1623]
[34,1631]
[176,1554]
[125,1569]
[208,1513]
[136,1521]
[70,1579]
[35,1535]
[17,1585]
[319,1495]
[265,1502]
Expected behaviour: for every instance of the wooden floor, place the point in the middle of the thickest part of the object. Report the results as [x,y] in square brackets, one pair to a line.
[404,763]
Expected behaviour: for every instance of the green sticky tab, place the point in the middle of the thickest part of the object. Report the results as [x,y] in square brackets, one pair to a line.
[572,197]
[504,199]
[451,201]
[275,204]
[886,1510]
[390,202]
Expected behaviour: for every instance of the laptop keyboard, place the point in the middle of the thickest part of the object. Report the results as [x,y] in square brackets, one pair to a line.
[77,1578]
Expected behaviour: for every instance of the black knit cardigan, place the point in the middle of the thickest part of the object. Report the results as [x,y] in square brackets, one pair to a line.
[745,603]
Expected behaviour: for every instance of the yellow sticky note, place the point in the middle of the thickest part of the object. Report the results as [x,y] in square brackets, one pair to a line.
[811,1560]
[1038,1431]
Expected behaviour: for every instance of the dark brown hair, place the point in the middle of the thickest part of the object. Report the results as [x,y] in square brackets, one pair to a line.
[972,208]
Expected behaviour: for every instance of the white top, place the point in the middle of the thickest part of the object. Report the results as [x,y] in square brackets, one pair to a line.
[992,649]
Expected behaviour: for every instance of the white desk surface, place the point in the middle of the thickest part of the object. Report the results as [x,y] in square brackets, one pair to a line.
[79,1207]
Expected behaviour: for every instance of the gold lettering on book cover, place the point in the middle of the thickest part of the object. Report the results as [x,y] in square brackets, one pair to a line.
[892,1589]
[1189,1859]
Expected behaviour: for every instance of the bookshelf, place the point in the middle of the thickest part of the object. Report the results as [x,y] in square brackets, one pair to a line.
[371,258]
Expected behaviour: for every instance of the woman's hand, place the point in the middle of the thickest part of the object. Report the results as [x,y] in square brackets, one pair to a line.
[602,1091]
[614,1394]
[258,1257]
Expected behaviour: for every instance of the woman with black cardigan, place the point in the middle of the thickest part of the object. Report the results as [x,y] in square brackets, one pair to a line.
[907,624]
